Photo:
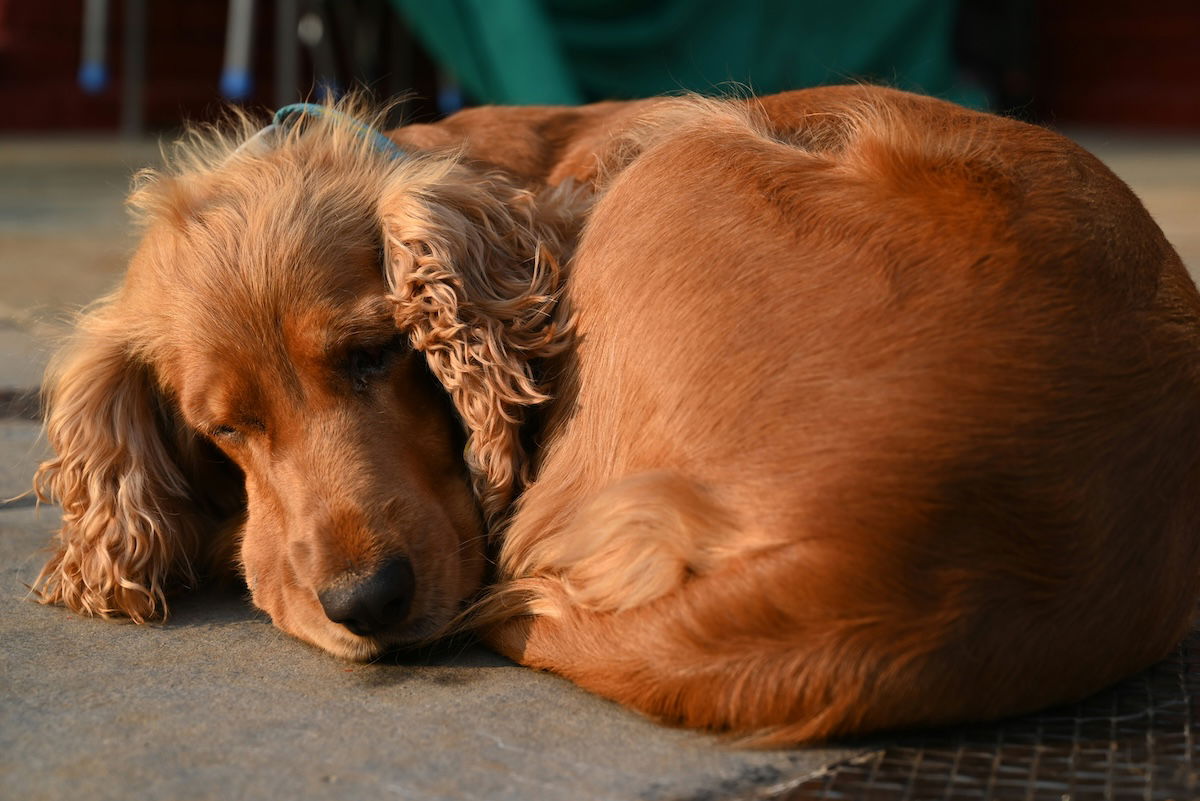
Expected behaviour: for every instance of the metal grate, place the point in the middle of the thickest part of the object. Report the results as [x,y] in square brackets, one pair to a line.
[1138,740]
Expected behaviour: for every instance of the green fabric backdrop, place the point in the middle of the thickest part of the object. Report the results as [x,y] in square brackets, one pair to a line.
[574,51]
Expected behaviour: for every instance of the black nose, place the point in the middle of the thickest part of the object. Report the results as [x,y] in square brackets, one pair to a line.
[375,603]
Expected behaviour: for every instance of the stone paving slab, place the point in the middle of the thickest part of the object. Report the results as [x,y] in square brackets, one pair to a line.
[22,447]
[23,358]
[64,232]
[219,704]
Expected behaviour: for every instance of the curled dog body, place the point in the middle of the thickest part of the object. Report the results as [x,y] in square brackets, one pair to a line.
[797,416]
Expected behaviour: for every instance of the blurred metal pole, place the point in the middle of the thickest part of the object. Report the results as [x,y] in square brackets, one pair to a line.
[236,81]
[133,82]
[287,51]
[93,71]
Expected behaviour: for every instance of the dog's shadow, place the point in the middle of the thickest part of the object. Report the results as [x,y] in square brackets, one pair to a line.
[214,604]
[228,603]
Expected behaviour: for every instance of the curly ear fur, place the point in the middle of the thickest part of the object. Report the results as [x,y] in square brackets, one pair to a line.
[123,472]
[476,264]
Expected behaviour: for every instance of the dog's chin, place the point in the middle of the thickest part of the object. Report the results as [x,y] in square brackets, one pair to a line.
[350,647]
[344,644]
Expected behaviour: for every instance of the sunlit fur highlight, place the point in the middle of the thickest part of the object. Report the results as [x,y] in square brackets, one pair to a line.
[669,592]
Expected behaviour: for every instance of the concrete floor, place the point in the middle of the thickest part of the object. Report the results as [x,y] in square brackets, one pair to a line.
[218,704]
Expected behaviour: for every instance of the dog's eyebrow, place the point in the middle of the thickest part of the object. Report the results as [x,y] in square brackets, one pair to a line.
[370,321]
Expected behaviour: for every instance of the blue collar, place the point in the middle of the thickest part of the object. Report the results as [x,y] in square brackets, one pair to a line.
[288,115]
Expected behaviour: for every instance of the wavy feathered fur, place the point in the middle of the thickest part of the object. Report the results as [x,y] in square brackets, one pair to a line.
[476,265]
[139,492]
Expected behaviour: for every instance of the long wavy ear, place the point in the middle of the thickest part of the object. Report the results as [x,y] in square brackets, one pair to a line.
[134,525]
[475,264]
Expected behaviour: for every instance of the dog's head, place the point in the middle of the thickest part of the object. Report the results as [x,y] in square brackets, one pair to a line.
[347,334]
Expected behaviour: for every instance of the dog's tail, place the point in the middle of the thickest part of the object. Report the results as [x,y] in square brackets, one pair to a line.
[752,649]
[771,651]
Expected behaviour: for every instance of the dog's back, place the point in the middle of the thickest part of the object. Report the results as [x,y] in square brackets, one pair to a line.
[883,413]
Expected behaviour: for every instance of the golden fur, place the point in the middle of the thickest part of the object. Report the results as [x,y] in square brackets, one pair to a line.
[799,416]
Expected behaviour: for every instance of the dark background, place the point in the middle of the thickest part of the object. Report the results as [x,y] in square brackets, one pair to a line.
[1112,63]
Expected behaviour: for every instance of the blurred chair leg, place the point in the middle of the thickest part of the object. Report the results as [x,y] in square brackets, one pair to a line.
[93,72]
[235,76]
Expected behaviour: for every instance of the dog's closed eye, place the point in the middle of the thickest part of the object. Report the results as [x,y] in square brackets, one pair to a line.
[232,433]
[364,363]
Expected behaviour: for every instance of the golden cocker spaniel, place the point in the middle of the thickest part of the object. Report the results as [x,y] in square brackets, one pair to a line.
[833,411]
